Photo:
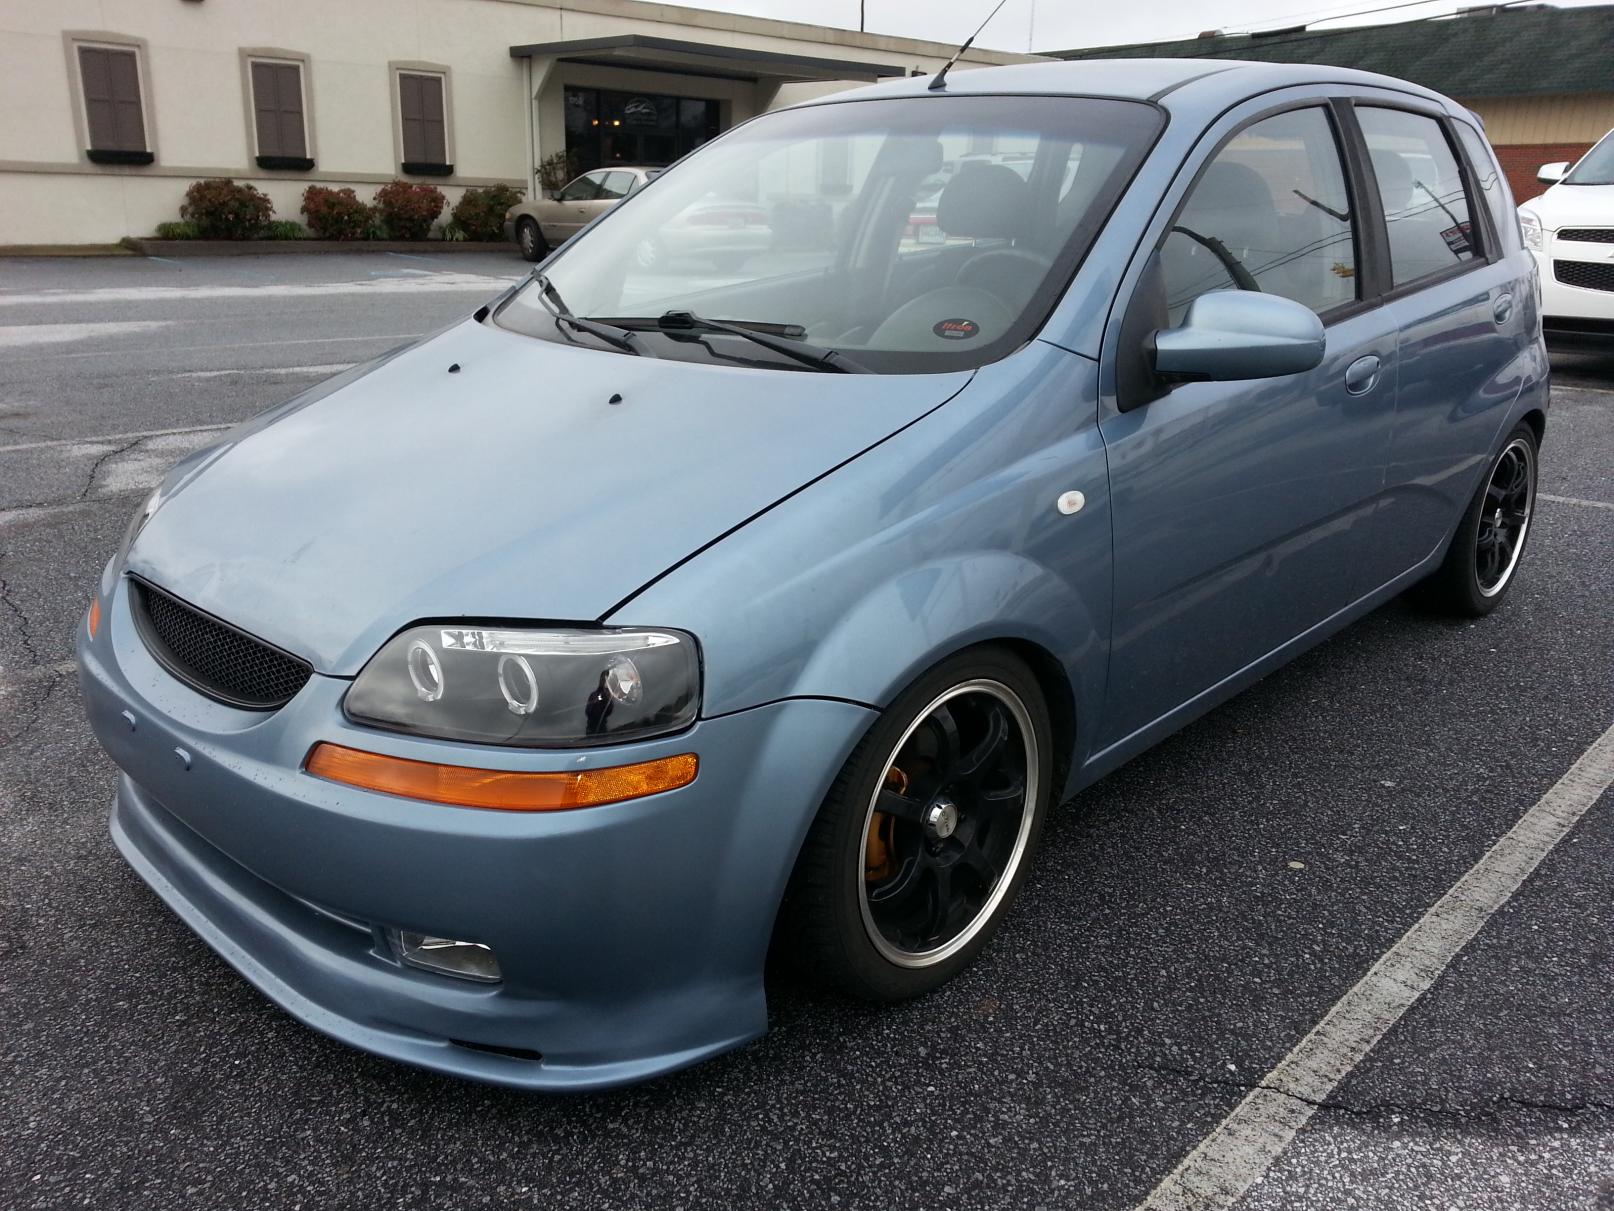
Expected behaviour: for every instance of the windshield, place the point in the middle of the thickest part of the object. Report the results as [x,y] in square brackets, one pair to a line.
[904,235]
[1596,167]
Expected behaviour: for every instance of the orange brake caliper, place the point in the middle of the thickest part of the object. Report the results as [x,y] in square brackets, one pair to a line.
[877,844]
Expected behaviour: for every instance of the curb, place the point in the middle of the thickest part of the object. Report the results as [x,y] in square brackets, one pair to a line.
[63,250]
[173,248]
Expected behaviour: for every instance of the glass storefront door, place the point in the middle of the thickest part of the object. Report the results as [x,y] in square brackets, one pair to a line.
[606,127]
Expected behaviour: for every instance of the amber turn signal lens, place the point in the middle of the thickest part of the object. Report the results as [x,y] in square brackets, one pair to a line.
[94,620]
[501,790]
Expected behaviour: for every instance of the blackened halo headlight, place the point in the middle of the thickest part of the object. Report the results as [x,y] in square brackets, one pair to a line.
[535,688]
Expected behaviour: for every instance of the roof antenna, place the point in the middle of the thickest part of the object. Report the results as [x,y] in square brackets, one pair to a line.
[940,80]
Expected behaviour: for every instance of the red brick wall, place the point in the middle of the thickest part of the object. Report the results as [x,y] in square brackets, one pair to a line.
[1520,161]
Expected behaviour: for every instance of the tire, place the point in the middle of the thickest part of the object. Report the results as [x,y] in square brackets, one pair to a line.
[885,906]
[531,241]
[1485,553]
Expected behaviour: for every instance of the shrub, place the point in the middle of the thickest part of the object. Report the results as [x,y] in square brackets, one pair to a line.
[223,210]
[557,169]
[336,214]
[409,210]
[284,229]
[480,212]
[182,230]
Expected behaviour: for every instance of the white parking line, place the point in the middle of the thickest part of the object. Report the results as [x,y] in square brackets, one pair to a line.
[168,349]
[1234,1156]
[432,283]
[1575,500]
[328,368]
[111,439]
[14,336]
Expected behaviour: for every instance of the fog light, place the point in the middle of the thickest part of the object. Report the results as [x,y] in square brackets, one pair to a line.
[446,956]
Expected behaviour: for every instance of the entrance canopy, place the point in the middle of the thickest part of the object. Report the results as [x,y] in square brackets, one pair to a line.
[702,59]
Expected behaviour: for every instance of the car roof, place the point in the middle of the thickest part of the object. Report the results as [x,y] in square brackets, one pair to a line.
[1172,82]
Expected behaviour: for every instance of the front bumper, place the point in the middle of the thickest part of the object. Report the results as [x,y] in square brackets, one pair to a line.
[631,937]
[1561,302]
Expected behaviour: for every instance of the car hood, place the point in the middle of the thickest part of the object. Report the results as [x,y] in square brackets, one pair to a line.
[1575,206]
[484,474]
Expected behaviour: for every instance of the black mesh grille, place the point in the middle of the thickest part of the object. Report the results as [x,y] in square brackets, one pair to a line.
[214,657]
[1588,235]
[1588,275]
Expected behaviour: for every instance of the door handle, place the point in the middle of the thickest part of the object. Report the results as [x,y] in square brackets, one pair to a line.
[1362,375]
[1502,309]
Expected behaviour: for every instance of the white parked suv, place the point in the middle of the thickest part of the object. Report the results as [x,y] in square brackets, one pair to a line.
[1570,232]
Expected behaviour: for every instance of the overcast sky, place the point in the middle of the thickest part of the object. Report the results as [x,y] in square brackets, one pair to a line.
[1046,25]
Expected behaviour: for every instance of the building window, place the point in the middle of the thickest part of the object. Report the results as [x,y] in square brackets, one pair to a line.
[279,114]
[423,122]
[604,127]
[114,113]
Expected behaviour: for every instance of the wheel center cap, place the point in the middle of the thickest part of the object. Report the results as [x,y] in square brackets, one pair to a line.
[941,819]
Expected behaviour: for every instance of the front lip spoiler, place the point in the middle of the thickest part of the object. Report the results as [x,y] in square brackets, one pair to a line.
[133,825]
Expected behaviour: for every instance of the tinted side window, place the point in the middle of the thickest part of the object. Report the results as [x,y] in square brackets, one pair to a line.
[1425,206]
[584,189]
[1271,213]
[617,184]
[1488,178]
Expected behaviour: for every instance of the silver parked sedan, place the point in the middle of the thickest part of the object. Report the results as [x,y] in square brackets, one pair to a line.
[538,224]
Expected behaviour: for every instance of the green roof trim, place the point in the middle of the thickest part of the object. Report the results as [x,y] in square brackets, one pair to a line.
[1510,53]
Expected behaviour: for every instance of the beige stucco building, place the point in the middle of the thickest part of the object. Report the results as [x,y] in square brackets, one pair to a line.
[112,107]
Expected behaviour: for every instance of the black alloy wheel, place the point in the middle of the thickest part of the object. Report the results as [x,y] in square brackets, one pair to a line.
[925,838]
[1483,560]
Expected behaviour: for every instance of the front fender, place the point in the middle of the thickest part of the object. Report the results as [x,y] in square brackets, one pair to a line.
[945,535]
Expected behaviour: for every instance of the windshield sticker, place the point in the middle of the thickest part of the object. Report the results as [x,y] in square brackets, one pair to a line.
[956,329]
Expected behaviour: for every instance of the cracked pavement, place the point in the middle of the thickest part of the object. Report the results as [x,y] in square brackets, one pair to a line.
[1166,953]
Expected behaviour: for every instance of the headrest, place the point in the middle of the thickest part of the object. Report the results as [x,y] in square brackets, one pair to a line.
[1395,180]
[984,201]
[1230,186]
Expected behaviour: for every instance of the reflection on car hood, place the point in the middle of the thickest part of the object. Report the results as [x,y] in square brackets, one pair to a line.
[1575,206]
[508,488]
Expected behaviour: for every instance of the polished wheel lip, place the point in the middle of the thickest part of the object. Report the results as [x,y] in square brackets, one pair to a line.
[1022,717]
[1520,449]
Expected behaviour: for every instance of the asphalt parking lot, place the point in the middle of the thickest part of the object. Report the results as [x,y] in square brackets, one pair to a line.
[1190,919]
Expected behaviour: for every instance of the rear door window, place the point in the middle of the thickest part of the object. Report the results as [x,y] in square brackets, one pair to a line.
[1426,208]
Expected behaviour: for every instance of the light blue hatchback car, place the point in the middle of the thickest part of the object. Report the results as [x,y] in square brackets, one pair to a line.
[497,706]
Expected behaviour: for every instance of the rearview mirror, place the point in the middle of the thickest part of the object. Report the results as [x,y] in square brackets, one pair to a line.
[1237,334]
[1551,174]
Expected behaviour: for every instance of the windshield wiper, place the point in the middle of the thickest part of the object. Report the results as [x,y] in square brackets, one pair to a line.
[802,351]
[617,338]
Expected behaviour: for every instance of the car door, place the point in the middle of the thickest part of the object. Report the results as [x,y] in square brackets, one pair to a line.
[1463,302]
[565,214]
[1240,510]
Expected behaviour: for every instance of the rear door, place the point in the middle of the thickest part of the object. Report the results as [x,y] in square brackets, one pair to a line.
[1241,510]
[1460,289]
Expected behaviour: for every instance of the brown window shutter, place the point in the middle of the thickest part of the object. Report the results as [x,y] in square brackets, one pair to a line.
[432,112]
[410,107]
[420,108]
[126,99]
[112,98]
[277,103]
[290,93]
[265,110]
[98,107]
